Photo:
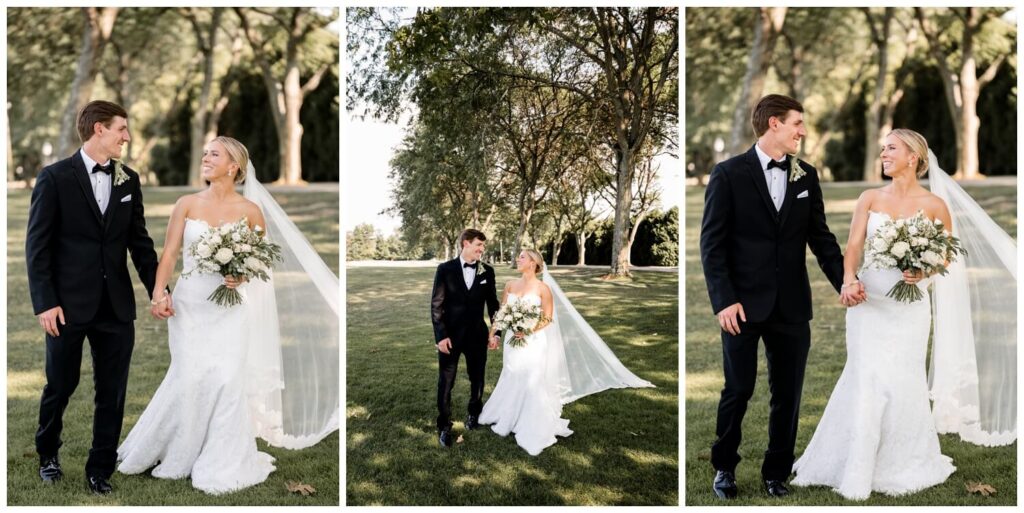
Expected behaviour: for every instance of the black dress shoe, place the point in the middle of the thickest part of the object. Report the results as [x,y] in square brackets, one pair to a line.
[49,469]
[445,438]
[725,485]
[99,485]
[775,488]
[472,421]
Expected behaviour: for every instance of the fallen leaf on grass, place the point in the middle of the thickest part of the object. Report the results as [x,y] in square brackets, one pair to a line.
[981,488]
[297,487]
[459,439]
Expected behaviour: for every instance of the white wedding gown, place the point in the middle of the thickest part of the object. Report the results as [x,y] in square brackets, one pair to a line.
[524,402]
[878,432]
[198,422]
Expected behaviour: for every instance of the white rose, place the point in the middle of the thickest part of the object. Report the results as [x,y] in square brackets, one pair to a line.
[889,233]
[203,251]
[919,241]
[912,230]
[879,244]
[899,249]
[224,255]
[216,239]
[246,248]
[254,264]
[236,237]
[931,258]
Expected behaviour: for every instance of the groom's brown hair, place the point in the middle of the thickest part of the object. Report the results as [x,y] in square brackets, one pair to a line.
[97,111]
[469,234]
[772,105]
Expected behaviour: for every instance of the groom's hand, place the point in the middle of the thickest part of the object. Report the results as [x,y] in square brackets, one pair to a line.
[727,318]
[48,320]
[445,346]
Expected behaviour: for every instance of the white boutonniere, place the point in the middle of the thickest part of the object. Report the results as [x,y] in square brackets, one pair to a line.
[479,268]
[120,176]
[795,171]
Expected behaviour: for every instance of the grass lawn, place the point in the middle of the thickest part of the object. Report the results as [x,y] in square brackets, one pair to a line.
[994,466]
[315,213]
[625,446]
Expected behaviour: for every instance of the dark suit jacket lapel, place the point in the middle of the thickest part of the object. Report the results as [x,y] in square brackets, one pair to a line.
[787,202]
[82,176]
[757,174]
[116,191]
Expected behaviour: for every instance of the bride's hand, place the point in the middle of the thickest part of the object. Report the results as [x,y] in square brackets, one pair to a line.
[520,335]
[912,277]
[232,282]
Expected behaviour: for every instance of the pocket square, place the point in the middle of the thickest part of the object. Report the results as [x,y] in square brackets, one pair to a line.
[483,282]
[801,195]
[126,198]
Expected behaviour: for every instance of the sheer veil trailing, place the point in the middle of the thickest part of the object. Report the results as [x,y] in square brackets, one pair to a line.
[579,362]
[292,363]
[973,371]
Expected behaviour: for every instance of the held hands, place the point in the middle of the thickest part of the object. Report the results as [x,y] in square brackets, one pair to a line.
[48,320]
[727,318]
[492,342]
[162,309]
[852,294]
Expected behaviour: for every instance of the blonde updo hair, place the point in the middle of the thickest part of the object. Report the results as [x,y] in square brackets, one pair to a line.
[917,145]
[538,260]
[238,153]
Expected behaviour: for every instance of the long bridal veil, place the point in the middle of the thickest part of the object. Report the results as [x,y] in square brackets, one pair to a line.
[292,362]
[973,372]
[579,362]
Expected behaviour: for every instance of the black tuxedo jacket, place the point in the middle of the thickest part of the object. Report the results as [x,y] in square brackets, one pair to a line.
[72,250]
[755,255]
[458,313]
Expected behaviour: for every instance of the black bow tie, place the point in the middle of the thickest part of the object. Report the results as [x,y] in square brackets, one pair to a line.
[783,165]
[109,168]
[473,265]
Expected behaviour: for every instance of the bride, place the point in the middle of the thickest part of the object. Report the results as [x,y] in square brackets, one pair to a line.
[878,431]
[562,360]
[231,379]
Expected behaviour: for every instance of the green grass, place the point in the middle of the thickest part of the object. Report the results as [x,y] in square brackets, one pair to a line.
[995,466]
[316,215]
[625,446]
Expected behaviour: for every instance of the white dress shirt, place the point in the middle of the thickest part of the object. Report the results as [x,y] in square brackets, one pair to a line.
[775,177]
[468,273]
[101,182]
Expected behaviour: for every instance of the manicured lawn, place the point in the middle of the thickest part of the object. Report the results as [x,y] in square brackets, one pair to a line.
[625,446]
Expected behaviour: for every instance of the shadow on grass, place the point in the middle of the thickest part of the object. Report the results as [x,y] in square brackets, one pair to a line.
[624,447]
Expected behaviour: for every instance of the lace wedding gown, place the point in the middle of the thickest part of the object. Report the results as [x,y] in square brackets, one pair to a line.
[198,421]
[524,402]
[877,432]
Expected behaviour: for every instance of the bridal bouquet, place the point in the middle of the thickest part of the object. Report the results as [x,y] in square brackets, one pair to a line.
[234,249]
[913,244]
[518,316]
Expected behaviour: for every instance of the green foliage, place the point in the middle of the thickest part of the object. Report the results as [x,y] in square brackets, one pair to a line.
[624,449]
[361,243]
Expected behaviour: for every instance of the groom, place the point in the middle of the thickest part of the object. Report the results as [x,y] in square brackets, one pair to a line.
[86,214]
[759,217]
[462,287]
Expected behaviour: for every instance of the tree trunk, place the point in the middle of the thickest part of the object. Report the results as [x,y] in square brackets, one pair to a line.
[291,159]
[623,203]
[581,242]
[10,147]
[873,116]
[199,122]
[766,30]
[98,25]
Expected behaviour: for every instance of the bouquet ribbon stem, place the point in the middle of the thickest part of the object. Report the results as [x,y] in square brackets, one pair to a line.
[224,296]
